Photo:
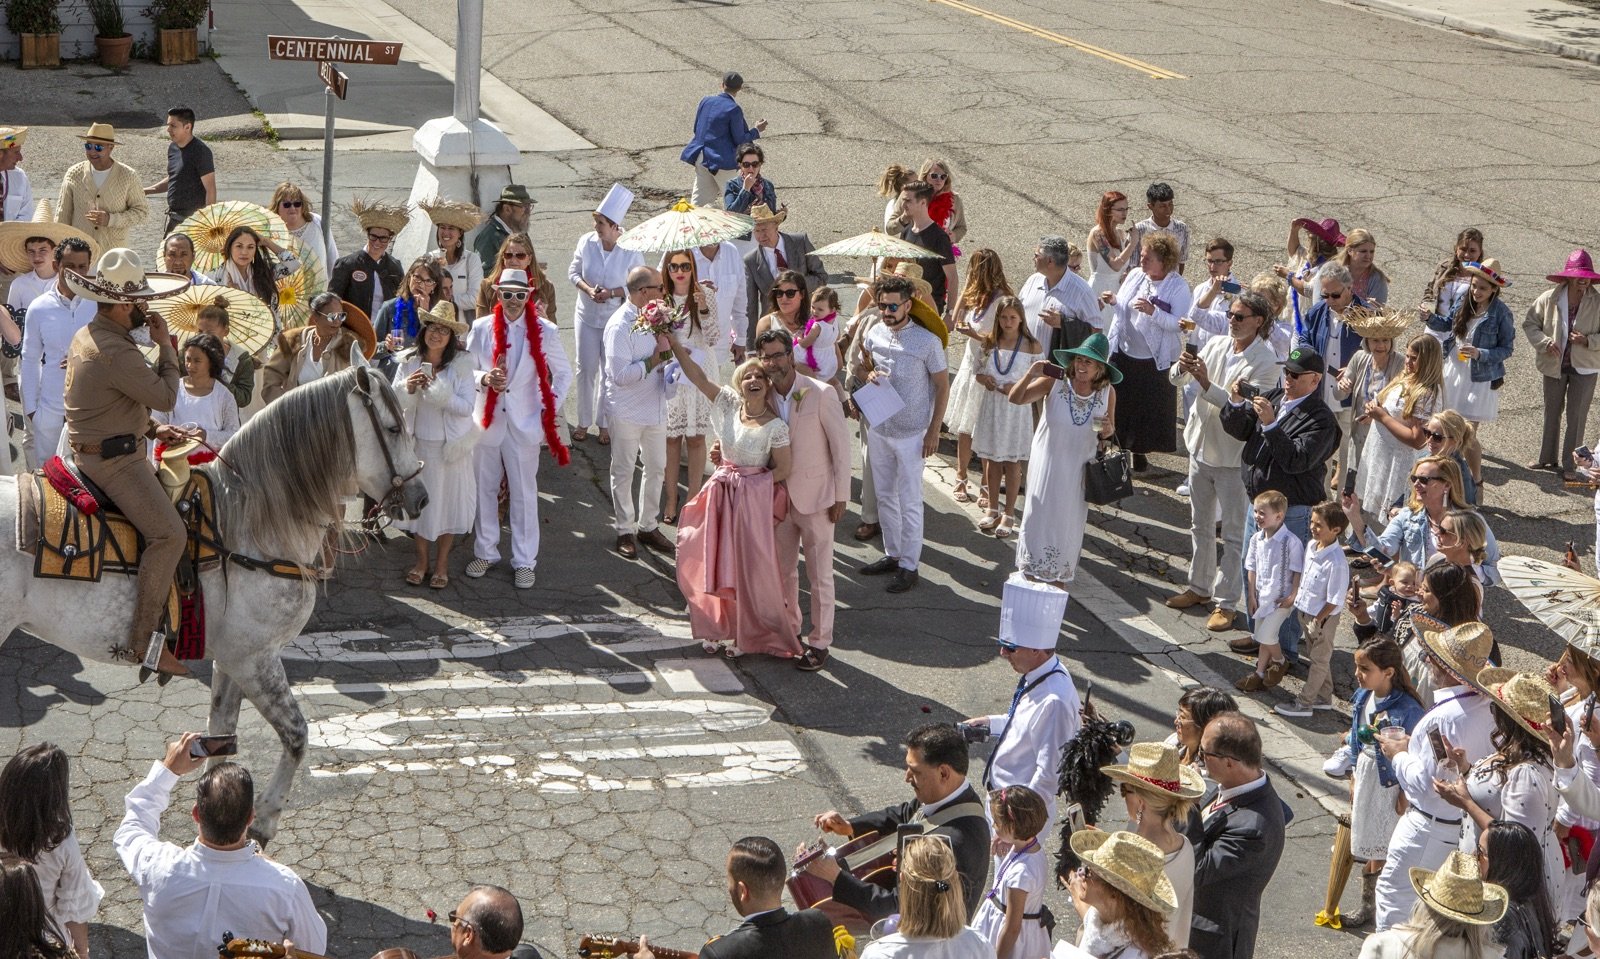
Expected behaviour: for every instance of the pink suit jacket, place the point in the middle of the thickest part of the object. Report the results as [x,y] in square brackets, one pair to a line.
[820,445]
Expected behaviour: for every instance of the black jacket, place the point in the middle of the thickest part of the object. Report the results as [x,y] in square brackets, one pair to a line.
[1236,851]
[969,840]
[779,934]
[344,283]
[1292,457]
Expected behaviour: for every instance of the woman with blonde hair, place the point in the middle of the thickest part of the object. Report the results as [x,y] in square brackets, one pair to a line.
[1453,918]
[975,309]
[517,253]
[945,208]
[933,922]
[1368,282]
[294,207]
[1280,332]
[1397,415]
[1159,791]
[1449,434]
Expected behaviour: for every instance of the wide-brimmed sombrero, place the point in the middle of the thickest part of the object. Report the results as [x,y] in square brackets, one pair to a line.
[1457,890]
[1463,650]
[14,237]
[444,314]
[122,279]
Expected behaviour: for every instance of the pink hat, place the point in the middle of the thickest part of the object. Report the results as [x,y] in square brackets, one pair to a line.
[1579,267]
[1326,229]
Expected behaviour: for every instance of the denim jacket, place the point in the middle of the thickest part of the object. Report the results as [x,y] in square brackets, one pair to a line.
[1401,707]
[1406,537]
[1494,338]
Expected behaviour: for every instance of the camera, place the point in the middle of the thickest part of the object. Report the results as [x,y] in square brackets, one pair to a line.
[1248,391]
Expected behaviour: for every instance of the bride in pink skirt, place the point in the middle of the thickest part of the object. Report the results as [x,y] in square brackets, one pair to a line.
[727,561]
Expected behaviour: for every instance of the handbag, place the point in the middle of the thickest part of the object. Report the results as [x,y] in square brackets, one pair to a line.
[1108,477]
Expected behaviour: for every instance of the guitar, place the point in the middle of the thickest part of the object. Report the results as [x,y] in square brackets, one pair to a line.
[809,892]
[610,947]
[232,948]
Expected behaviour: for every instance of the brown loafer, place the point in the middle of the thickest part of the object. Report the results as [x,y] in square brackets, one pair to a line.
[1275,673]
[627,546]
[1251,683]
[1185,600]
[1245,644]
[867,531]
[1220,620]
[657,541]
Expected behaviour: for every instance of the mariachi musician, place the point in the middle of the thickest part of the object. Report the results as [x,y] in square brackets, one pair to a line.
[936,768]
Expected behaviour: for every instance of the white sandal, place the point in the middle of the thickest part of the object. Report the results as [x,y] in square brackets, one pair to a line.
[1005,529]
[711,648]
[990,521]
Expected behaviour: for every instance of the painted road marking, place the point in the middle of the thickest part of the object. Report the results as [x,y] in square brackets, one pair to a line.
[699,675]
[491,679]
[1111,56]
[477,639]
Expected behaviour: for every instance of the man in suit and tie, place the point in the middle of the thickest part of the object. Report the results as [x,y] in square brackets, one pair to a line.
[936,768]
[775,252]
[819,488]
[1237,842]
[756,874]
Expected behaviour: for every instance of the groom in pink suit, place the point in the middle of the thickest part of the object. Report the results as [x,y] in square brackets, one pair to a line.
[819,487]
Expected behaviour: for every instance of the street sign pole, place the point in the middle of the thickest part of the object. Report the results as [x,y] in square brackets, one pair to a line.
[327,177]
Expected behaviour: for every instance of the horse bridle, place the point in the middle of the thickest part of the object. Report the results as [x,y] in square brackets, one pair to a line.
[396,481]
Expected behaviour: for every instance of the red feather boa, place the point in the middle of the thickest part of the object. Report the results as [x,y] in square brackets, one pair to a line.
[552,436]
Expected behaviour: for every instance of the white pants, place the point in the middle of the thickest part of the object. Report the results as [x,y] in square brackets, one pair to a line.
[1417,842]
[631,442]
[45,435]
[707,189]
[518,460]
[869,489]
[897,475]
[1268,622]
[591,377]
[1217,491]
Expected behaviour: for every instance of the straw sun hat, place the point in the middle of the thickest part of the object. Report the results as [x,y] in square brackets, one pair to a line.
[1155,768]
[1131,864]
[384,216]
[1379,324]
[1525,697]
[15,234]
[1456,891]
[457,213]
[1463,650]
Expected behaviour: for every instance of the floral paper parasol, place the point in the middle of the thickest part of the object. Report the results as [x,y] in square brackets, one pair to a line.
[684,227]
[296,291]
[876,243]
[1563,599]
[249,319]
[209,227]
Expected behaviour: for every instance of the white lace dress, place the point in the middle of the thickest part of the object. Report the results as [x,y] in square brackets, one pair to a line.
[1385,461]
[688,411]
[1054,511]
[961,413]
[742,445]
[1103,279]
[1004,430]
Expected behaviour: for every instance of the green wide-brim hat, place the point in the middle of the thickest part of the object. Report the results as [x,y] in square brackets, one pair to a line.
[1096,348]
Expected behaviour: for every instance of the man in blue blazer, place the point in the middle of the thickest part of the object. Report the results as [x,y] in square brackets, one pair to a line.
[719,129]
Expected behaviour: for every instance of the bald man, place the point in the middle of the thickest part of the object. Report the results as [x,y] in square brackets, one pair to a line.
[486,925]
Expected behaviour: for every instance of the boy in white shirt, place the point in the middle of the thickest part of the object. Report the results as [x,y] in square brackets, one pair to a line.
[1318,602]
[1273,561]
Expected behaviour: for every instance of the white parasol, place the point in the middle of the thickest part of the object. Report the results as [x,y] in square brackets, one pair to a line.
[1563,599]
[876,243]
[684,227]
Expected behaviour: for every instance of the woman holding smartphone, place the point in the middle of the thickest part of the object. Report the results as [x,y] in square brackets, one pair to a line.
[435,380]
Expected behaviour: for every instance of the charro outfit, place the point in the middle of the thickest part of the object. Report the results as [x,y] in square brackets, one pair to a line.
[776,934]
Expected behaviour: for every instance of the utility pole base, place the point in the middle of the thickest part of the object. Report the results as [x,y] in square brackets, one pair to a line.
[459,161]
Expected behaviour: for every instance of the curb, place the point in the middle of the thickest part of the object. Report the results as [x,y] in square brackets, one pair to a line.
[1451,22]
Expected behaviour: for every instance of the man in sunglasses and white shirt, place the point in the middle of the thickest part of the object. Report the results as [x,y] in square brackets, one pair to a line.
[636,398]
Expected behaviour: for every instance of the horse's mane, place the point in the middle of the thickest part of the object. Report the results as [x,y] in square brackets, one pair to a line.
[282,478]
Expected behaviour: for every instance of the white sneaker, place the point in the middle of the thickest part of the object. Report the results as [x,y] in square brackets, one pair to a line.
[478,568]
[1183,489]
[523,577]
[1340,763]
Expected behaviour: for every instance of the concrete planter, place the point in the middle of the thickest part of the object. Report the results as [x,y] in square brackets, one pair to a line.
[40,50]
[178,46]
[114,51]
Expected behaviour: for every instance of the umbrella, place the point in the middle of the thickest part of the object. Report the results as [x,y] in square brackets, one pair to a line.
[1338,876]
[876,243]
[209,227]
[249,319]
[684,227]
[298,289]
[1563,599]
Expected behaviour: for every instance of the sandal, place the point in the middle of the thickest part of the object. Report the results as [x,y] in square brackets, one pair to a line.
[1005,529]
[414,577]
[711,648]
[439,581]
[983,500]
[605,438]
[671,519]
[580,434]
[732,652]
[990,521]
[961,494]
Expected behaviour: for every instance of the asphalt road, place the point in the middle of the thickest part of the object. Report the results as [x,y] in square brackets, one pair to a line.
[570,742]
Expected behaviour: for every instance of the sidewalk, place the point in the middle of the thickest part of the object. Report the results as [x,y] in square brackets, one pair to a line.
[1552,26]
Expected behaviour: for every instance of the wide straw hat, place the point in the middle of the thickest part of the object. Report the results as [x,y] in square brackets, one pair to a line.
[1489,269]
[1155,768]
[762,213]
[1096,348]
[444,314]
[1458,892]
[122,279]
[384,216]
[12,137]
[929,319]
[14,237]
[1463,650]
[457,213]
[1579,267]
[1326,229]
[1131,864]
[103,132]
[1524,696]
[1381,323]
[913,272]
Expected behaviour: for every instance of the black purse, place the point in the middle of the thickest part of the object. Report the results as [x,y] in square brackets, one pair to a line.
[1108,477]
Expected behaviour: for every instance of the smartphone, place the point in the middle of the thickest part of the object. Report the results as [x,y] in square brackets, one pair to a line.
[214,746]
[1349,482]
[427,369]
[1440,754]
[1588,714]
[1558,716]
[1055,372]
[1228,286]
[974,732]
[1378,555]
[1191,349]
[1075,816]
[1583,453]
[1161,304]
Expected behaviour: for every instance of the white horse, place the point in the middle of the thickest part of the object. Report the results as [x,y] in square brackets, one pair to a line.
[278,483]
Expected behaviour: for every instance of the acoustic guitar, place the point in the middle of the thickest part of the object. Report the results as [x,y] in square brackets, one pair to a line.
[810,892]
[611,947]
[232,948]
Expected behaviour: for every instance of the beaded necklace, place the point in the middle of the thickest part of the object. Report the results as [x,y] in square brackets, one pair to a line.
[1072,404]
[995,354]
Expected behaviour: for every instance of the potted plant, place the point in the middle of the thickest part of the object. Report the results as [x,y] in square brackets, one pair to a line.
[111,37]
[38,27]
[176,22]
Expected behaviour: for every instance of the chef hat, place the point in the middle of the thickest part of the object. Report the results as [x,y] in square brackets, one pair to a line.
[615,206]
[1031,613]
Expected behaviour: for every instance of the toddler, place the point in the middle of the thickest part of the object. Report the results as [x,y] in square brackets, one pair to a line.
[1273,561]
[817,349]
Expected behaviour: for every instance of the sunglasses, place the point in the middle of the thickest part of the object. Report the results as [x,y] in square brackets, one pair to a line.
[938,176]
[517,256]
[335,318]
[785,294]
[1425,480]
[890,307]
[750,164]
[1007,647]
[95,147]
[680,267]
[293,204]
[380,237]
[1240,316]
[1436,437]
[515,295]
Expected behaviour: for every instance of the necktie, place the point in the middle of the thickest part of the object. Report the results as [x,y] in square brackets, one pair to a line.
[777,254]
[1016,697]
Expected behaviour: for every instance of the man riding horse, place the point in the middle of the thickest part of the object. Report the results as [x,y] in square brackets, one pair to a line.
[110,391]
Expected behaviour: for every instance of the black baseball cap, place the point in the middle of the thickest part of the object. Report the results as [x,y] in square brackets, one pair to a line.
[1304,360]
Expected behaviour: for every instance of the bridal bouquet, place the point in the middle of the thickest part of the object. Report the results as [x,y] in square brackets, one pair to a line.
[658,319]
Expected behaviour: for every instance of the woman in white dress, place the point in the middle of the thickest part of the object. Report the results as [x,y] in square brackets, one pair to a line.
[1122,895]
[1159,791]
[290,203]
[36,825]
[437,383]
[452,219]
[254,263]
[205,407]
[1395,439]
[1079,412]
[986,284]
[688,412]
[1110,248]
[1478,338]
[599,271]
[932,918]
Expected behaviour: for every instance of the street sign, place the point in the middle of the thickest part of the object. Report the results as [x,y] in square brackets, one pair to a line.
[336,82]
[383,52]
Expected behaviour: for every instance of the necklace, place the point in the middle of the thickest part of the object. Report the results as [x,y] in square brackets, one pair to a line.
[1072,404]
[1006,370]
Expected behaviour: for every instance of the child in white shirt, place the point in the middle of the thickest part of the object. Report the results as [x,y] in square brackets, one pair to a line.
[1273,561]
[1319,600]
[1012,914]
[816,351]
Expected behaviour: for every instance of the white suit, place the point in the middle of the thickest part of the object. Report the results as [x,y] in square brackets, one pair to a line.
[53,320]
